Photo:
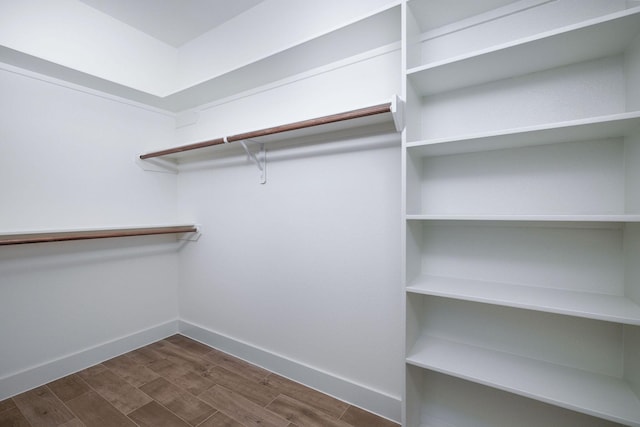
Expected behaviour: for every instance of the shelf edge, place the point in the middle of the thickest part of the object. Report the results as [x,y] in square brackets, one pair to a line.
[419,287]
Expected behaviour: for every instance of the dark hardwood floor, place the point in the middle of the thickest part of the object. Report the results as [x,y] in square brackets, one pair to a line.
[179,382]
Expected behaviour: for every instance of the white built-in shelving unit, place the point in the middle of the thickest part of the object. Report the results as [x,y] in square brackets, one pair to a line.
[521,163]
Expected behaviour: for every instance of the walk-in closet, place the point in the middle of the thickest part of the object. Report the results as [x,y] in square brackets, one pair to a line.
[350,213]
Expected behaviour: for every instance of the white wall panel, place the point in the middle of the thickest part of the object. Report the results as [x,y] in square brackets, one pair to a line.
[69,157]
[66,161]
[305,266]
[268,28]
[74,35]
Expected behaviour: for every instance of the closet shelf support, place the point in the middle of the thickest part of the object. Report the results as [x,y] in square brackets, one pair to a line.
[259,158]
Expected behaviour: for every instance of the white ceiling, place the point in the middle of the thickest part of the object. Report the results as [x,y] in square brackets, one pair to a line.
[172,21]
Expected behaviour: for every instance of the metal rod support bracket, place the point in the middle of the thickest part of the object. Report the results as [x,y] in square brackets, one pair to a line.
[259,158]
[157,165]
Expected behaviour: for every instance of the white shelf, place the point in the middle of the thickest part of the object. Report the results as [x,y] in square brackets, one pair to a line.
[591,393]
[602,127]
[583,220]
[589,305]
[551,230]
[592,39]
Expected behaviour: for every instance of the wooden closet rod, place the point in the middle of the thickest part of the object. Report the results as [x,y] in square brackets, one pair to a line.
[62,236]
[348,115]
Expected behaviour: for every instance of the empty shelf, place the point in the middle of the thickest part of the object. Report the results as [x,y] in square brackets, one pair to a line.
[568,220]
[587,392]
[594,128]
[590,305]
[596,38]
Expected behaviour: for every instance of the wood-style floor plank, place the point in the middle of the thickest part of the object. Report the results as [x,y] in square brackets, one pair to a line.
[7,404]
[154,415]
[13,418]
[181,357]
[91,371]
[311,397]
[144,355]
[241,409]
[301,414]
[74,423]
[94,411]
[69,387]
[179,382]
[233,364]
[130,370]
[181,376]
[179,401]
[188,344]
[42,408]
[252,390]
[220,420]
[125,397]
[360,418]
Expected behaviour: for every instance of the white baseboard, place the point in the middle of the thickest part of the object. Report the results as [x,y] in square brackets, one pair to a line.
[34,377]
[348,391]
[358,395]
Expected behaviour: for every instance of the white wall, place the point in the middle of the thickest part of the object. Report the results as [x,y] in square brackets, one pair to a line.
[307,265]
[270,27]
[632,75]
[66,161]
[74,35]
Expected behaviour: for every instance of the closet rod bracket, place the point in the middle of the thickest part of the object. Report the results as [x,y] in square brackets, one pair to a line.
[157,165]
[259,158]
